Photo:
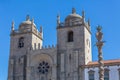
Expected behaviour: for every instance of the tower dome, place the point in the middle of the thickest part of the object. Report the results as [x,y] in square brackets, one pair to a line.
[73,19]
[27,25]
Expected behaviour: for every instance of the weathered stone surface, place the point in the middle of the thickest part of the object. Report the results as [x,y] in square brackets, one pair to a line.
[62,61]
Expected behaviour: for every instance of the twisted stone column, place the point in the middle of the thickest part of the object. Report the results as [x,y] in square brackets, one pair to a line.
[99,45]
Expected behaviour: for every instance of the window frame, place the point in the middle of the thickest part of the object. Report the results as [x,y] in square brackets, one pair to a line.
[91,72]
[106,71]
[21,42]
[70,36]
[119,73]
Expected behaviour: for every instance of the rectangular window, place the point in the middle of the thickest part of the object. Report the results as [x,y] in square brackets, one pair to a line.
[119,74]
[91,75]
[106,75]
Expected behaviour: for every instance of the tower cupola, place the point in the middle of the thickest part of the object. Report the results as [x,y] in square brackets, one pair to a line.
[27,25]
[73,19]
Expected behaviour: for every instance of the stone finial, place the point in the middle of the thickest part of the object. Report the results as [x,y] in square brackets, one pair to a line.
[12,28]
[83,17]
[83,14]
[27,18]
[58,20]
[41,29]
[32,20]
[73,10]
[89,22]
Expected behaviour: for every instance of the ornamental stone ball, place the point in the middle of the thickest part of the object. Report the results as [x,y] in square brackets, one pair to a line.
[99,34]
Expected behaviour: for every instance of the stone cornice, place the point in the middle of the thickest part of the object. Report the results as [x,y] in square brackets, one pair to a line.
[62,27]
[106,63]
[30,32]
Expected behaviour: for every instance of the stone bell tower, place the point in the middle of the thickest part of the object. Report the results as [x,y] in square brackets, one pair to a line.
[27,37]
[74,46]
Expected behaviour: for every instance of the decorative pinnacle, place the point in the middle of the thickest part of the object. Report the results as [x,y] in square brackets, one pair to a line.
[89,22]
[58,16]
[32,20]
[58,20]
[12,25]
[27,18]
[41,29]
[83,14]
[73,10]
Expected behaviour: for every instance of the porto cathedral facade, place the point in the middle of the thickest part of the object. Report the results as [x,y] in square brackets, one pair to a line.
[70,59]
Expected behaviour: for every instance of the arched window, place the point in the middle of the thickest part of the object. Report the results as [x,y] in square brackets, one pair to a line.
[21,42]
[70,36]
[38,45]
[35,46]
[87,41]
[106,74]
[91,75]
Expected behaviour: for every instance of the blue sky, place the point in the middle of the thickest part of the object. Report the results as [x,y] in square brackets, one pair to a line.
[103,12]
